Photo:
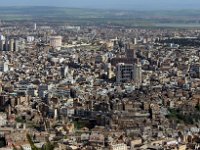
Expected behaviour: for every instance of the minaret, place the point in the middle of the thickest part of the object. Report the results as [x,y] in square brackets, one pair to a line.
[9,110]
[135,41]
[55,113]
[35,26]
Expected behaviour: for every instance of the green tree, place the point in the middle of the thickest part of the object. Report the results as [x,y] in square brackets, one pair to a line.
[47,146]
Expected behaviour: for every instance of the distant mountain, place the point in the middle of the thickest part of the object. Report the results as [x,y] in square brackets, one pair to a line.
[98,16]
[110,4]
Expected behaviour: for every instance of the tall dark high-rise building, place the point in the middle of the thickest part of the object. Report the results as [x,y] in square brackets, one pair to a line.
[6,48]
[124,72]
[2,42]
[130,52]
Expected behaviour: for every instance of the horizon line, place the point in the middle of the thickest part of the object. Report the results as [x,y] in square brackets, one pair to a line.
[112,9]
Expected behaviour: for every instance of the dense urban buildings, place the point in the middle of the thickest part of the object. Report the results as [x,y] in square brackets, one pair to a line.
[110,87]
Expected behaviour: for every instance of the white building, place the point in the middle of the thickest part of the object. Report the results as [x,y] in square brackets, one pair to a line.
[28,146]
[3,119]
[56,42]
[2,37]
[4,66]
[30,39]
[120,146]
[11,44]
[35,26]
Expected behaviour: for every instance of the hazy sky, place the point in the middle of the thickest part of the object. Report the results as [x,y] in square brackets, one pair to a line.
[113,4]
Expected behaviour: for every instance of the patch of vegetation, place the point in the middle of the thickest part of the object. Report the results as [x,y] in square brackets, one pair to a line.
[20,120]
[183,42]
[2,142]
[79,124]
[47,146]
[198,108]
[187,118]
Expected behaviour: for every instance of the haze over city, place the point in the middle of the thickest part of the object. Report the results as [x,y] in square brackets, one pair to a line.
[110,4]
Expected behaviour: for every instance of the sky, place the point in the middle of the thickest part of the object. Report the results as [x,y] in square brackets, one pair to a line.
[110,4]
